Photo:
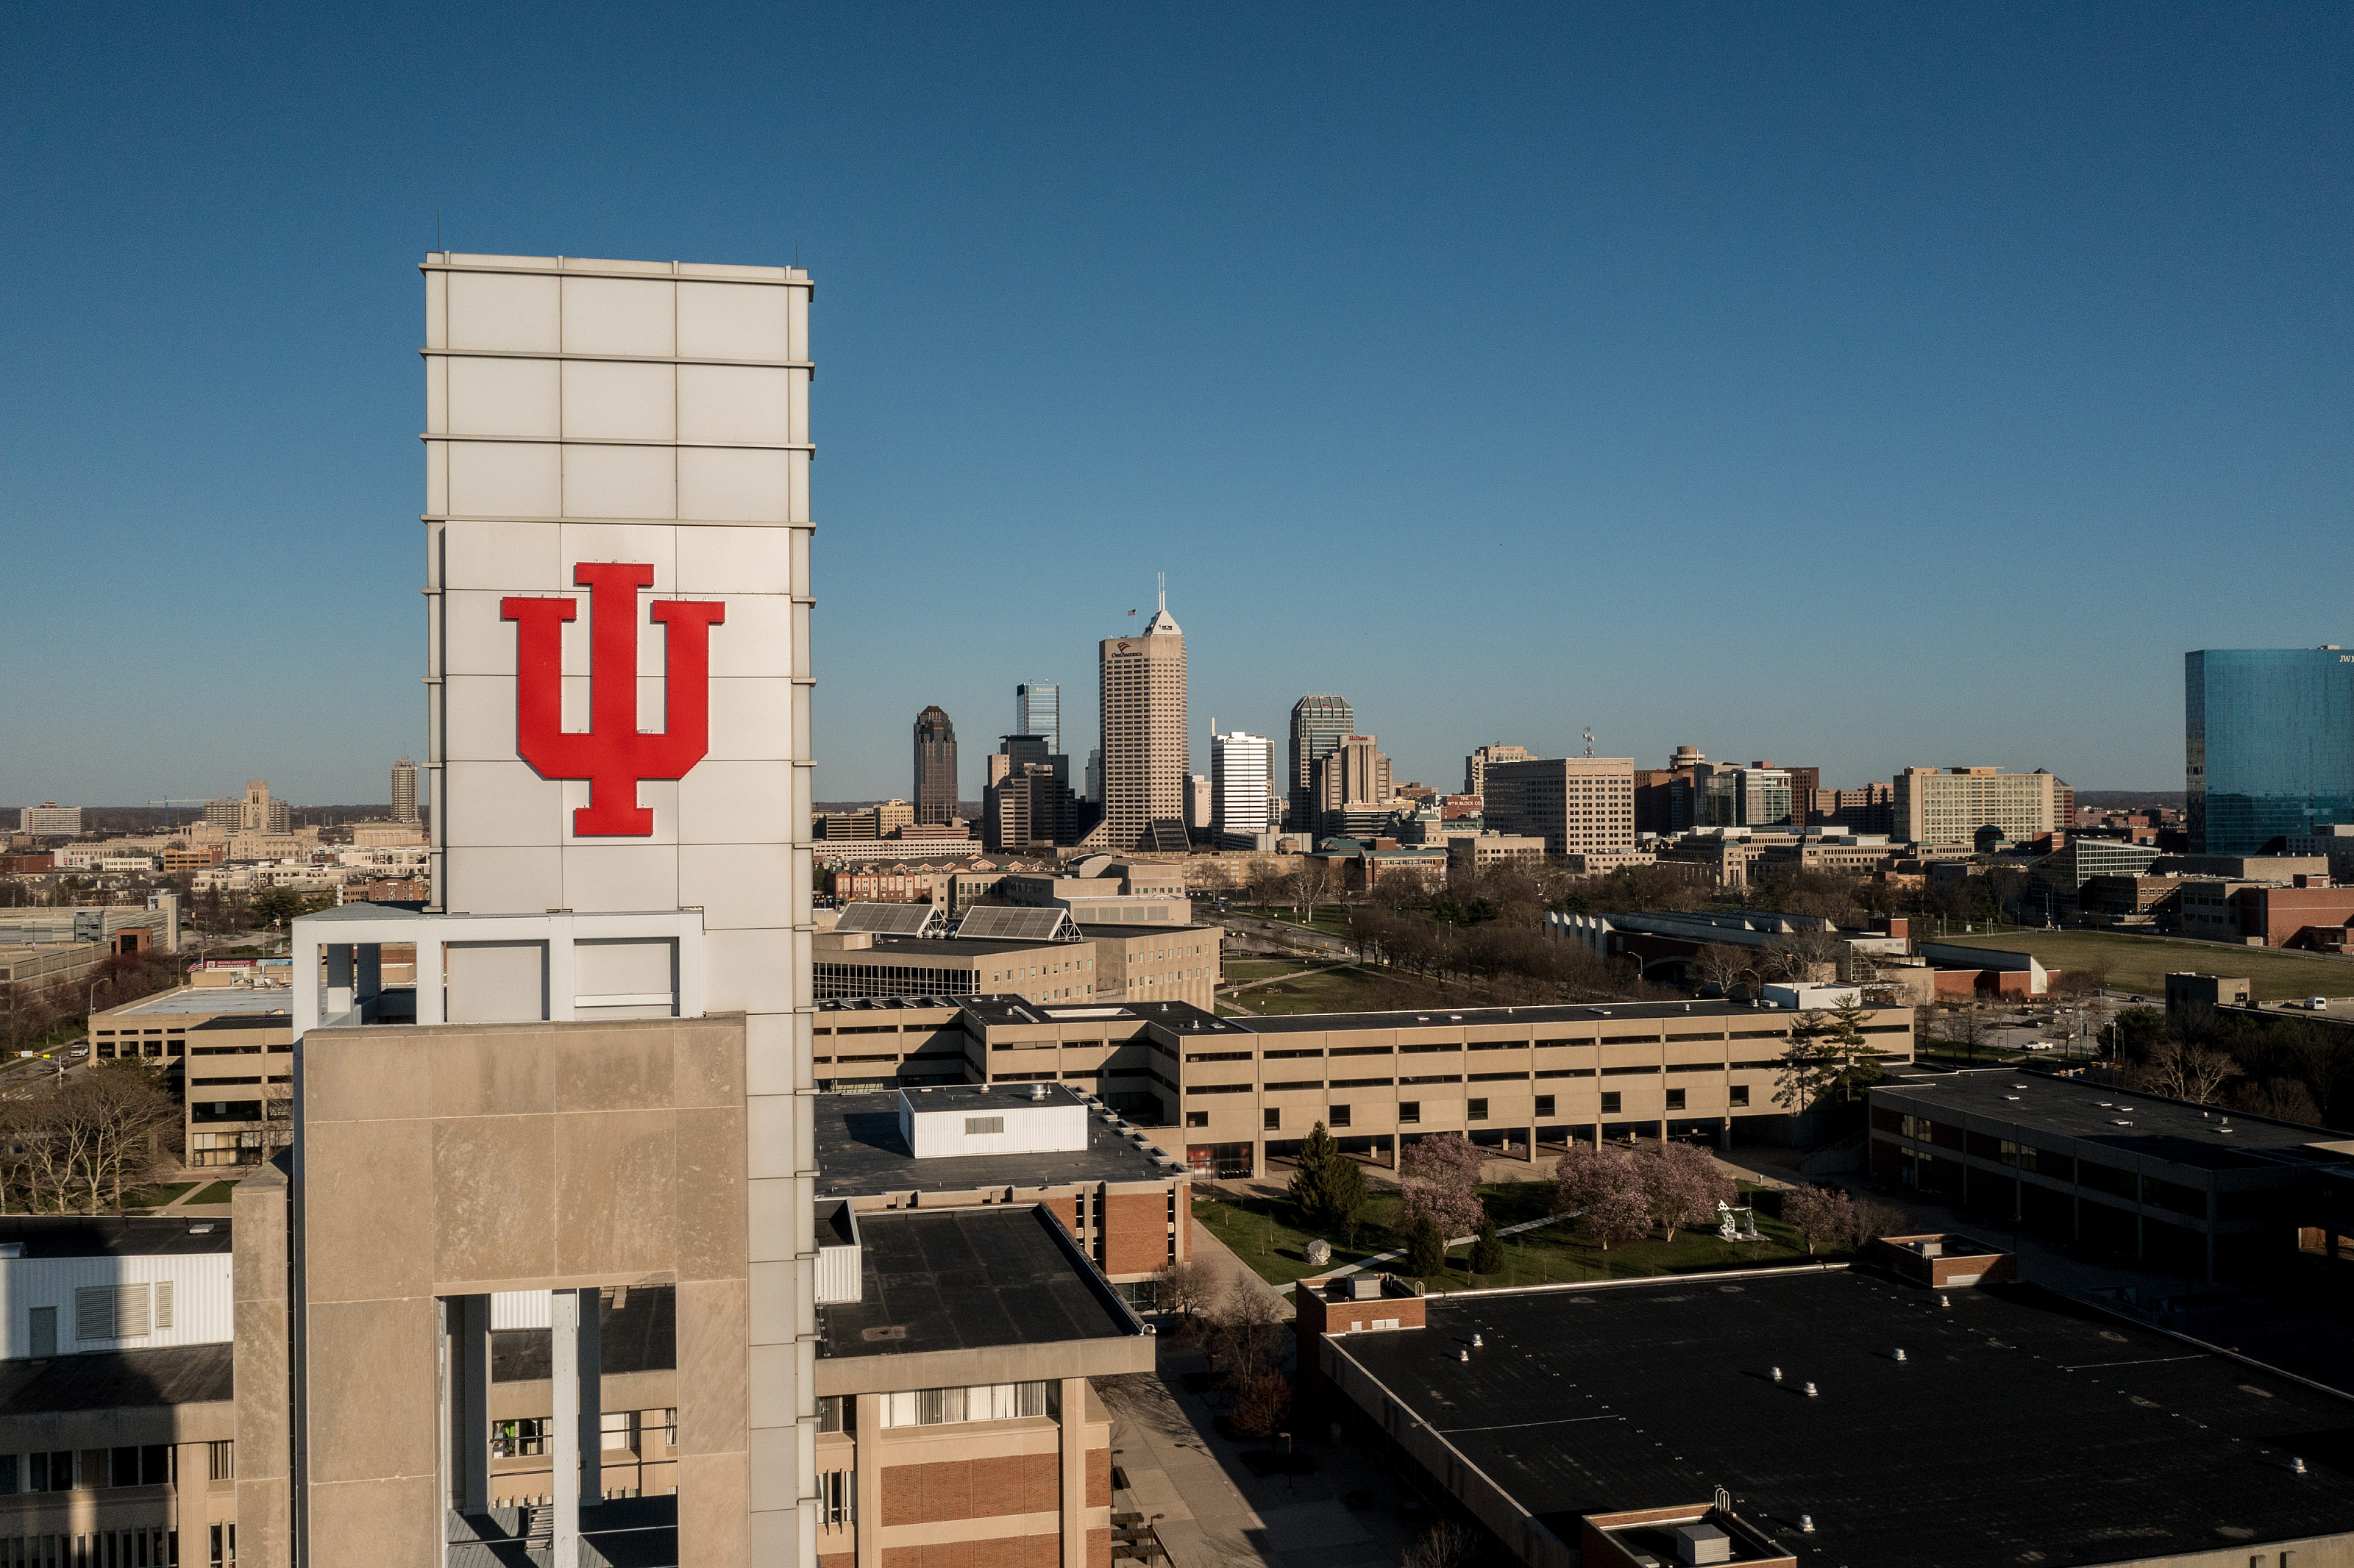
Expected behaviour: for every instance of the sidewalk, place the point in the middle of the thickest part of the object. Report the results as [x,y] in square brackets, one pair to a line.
[1210,1511]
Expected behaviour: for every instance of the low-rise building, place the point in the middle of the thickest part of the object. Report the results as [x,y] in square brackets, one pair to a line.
[1477,853]
[2183,1188]
[235,1049]
[1037,954]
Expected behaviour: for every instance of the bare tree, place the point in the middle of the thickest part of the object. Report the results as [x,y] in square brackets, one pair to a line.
[1446,1545]
[1246,1329]
[1719,964]
[2183,1070]
[1183,1287]
[1821,1215]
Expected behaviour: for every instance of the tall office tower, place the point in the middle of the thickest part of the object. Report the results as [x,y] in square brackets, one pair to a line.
[1198,803]
[1582,806]
[590,1118]
[1352,787]
[1949,805]
[404,791]
[1144,741]
[1038,710]
[1318,725]
[1475,766]
[260,813]
[1094,775]
[2269,744]
[1757,796]
[935,766]
[225,814]
[1241,801]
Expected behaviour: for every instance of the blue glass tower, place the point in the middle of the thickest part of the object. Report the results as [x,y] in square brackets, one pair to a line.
[2269,743]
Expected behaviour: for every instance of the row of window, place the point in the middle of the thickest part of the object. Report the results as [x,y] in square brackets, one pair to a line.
[980,1401]
[620,1431]
[149,1546]
[1409,1112]
[91,1469]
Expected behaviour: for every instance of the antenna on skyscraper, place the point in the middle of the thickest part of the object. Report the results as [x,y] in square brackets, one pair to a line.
[1589,740]
[1162,580]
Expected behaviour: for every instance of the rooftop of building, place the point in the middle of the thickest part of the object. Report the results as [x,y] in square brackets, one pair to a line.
[207,999]
[1013,1010]
[637,1331]
[2019,1426]
[860,1151]
[1619,1013]
[117,1379]
[2123,1119]
[76,1235]
[893,1004]
[964,1280]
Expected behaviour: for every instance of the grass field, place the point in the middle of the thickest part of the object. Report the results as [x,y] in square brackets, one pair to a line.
[2139,964]
[154,1197]
[219,1192]
[1265,1234]
[1329,990]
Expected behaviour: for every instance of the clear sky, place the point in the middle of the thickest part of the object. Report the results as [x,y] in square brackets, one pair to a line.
[1859,386]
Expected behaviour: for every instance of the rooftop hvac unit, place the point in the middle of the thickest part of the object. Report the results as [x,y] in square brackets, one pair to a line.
[1702,1542]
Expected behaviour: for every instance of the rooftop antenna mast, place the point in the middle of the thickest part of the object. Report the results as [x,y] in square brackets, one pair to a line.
[1589,740]
[1162,579]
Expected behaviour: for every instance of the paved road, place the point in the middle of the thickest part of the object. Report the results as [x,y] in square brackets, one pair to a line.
[1290,935]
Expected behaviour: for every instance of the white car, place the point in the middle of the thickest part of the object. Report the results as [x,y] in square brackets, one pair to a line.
[2318,1003]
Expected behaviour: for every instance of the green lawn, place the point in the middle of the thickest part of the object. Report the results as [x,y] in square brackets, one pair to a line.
[2139,964]
[1266,1235]
[1328,918]
[217,1192]
[154,1197]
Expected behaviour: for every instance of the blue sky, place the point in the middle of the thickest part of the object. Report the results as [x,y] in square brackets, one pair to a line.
[1857,386]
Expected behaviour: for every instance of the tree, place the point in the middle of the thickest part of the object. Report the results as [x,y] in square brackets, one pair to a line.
[1247,1328]
[1821,1215]
[1327,1187]
[1446,1545]
[1860,1060]
[1183,1287]
[1425,1249]
[1873,1221]
[1970,1029]
[1681,1185]
[1488,1252]
[1807,1068]
[1438,1178]
[1263,1405]
[1605,1190]
[1719,964]
[2182,1069]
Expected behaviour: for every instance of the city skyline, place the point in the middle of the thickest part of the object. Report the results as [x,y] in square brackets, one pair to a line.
[1716,317]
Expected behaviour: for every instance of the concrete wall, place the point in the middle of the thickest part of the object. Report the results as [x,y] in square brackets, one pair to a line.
[455,1161]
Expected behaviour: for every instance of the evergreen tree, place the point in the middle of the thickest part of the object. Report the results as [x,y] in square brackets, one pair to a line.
[1327,1188]
[1425,1249]
[1488,1252]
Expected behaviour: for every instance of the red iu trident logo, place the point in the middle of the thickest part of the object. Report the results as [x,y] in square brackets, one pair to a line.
[612,756]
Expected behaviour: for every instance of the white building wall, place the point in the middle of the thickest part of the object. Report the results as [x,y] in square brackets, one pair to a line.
[1021,1129]
[654,413]
[200,1297]
[1242,767]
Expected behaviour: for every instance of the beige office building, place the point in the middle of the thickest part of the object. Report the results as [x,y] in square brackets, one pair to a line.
[1949,805]
[1146,766]
[1475,766]
[1355,773]
[1578,805]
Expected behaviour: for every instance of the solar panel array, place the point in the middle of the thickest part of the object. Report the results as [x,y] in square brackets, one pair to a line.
[1018,925]
[890,919]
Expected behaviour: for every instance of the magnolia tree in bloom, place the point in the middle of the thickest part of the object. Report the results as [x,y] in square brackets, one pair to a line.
[1439,1177]
[1622,1192]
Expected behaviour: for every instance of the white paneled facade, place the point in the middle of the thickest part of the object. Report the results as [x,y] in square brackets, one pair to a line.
[171,1299]
[656,414]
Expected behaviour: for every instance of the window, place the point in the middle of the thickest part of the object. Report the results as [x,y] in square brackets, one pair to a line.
[509,1439]
[220,1460]
[1675,1099]
[1197,1118]
[836,1413]
[1337,1116]
[981,1402]
[1478,1109]
[1610,1099]
[110,1312]
[1545,1105]
[618,1430]
[1741,1093]
[837,1499]
[52,1472]
[44,1333]
[982,1126]
[224,1546]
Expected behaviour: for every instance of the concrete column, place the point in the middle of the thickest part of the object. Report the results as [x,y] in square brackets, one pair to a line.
[470,1402]
[867,1477]
[1397,1142]
[367,972]
[563,1440]
[1597,1135]
[1073,1434]
[1258,1157]
[432,993]
[1532,1144]
[1725,1134]
[339,980]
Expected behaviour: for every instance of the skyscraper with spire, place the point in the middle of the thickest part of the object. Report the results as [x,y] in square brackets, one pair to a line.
[1146,763]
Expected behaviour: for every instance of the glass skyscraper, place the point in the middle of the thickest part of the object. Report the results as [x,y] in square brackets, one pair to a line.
[2269,743]
[1038,710]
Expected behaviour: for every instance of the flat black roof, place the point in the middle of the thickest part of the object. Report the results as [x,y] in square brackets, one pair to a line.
[1603,1013]
[859,1151]
[2128,1121]
[2019,1426]
[964,1280]
[641,1335]
[72,1235]
[118,1380]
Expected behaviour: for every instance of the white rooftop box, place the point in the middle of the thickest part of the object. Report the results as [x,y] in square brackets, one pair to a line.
[992,1118]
